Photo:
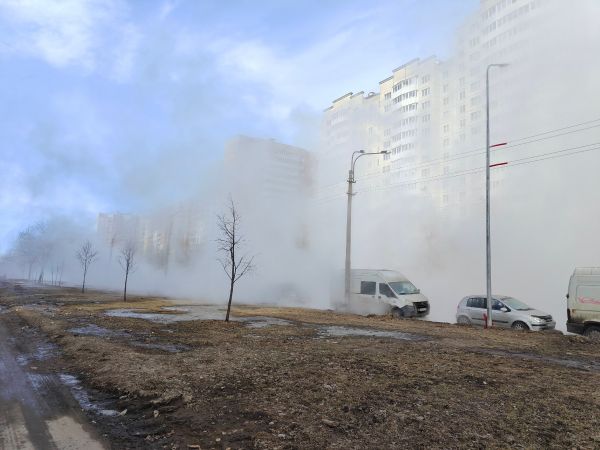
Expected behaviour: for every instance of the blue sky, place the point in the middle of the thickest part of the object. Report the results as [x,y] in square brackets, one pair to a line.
[117,105]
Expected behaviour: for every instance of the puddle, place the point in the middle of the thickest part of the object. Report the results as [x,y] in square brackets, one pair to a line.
[195,312]
[570,363]
[82,396]
[95,330]
[199,312]
[262,322]
[44,351]
[337,331]
[171,348]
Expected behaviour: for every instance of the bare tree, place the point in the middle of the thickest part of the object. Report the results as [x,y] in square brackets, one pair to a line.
[86,255]
[127,262]
[235,267]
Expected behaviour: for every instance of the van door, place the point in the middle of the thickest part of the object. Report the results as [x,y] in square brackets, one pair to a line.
[588,302]
[386,295]
[365,300]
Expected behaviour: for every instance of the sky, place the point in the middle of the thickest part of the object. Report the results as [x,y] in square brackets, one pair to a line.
[113,105]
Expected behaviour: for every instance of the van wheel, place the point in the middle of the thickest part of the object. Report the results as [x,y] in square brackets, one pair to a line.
[593,333]
[463,320]
[397,313]
[520,326]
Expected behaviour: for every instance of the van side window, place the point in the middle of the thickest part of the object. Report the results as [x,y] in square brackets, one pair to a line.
[384,289]
[367,287]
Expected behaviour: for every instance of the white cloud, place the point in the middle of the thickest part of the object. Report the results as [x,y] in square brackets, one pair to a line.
[72,33]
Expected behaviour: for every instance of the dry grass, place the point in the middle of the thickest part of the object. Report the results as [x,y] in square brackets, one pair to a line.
[288,387]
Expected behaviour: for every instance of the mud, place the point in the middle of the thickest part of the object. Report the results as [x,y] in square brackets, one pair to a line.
[95,330]
[339,331]
[36,410]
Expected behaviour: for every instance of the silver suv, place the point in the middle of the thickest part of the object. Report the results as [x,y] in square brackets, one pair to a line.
[507,312]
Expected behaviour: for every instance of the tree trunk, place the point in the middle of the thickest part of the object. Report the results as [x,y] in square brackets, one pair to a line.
[125,290]
[229,303]
[83,284]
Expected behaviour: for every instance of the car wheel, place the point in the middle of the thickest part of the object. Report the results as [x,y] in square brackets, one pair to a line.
[592,333]
[463,320]
[397,313]
[520,326]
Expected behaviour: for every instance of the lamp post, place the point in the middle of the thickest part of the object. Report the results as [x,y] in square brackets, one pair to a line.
[488,247]
[351,181]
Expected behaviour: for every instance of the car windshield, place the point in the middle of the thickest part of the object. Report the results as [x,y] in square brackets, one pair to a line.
[516,304]
[403,287]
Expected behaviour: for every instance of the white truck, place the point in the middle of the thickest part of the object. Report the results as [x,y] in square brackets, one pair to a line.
[583,302]
[382,291]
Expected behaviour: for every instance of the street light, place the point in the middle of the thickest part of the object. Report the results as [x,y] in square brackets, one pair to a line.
[351,181]
[488,247]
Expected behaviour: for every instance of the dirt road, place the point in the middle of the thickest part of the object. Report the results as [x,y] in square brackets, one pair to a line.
[293,378]
[37,411]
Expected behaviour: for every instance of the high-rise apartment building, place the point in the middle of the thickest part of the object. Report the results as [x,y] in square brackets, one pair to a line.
[271,182]
[430,114]
[266,169]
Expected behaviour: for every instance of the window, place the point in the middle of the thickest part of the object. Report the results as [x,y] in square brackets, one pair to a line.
[497,305]
[388,95]
[477,302]
[461,95]
[425,92]
[426,118]
[367,287]
[425,79]
[446,128]
[404,287]
[384,289]
[446,101]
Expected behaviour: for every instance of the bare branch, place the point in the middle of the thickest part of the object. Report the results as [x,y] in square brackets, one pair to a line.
[229,242]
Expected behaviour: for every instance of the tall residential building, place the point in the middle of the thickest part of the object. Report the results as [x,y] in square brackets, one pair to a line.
[430,113]
[267,168]
[351,123]
[272,183]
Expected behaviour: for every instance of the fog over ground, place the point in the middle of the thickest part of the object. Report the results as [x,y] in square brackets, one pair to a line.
[137,123]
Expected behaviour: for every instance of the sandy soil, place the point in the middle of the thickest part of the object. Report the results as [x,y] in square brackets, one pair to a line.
[311,383]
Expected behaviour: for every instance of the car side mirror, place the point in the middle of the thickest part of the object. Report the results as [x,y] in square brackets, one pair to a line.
[567,295]
[504,309]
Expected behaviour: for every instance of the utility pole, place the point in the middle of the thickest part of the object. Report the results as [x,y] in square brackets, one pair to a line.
[348,235]
[488,245]
[351,181]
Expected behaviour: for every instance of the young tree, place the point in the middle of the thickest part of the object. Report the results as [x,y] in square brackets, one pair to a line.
[229,243]
[86,256]
[127,262]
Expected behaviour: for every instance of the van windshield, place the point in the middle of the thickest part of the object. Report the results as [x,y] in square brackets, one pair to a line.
[403,287]
[516,304]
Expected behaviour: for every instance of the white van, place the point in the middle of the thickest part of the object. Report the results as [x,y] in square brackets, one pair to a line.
[385,292]
[583,302]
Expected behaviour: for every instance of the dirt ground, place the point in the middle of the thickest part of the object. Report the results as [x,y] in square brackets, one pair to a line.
[309,381]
